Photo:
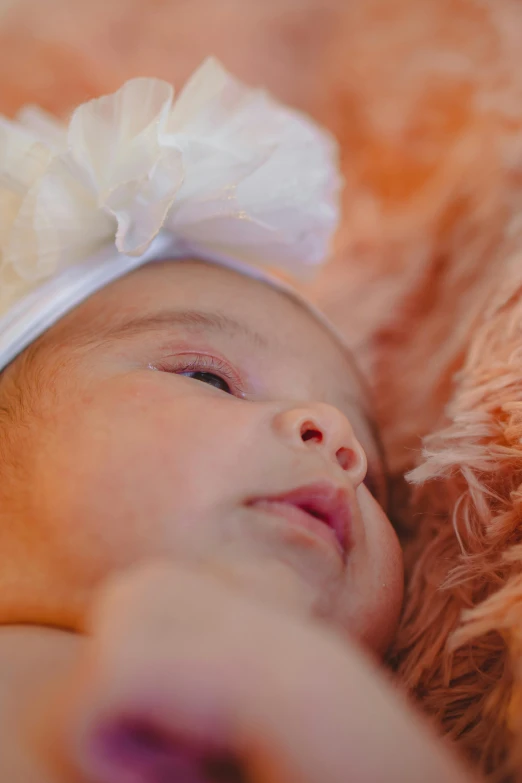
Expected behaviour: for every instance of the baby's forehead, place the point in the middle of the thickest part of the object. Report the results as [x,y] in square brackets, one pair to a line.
[195,295]
[265,312]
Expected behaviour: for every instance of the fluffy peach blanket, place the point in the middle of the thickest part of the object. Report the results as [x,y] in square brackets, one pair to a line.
[426,99]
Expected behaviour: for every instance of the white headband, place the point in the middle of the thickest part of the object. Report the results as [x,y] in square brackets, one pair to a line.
[224,173]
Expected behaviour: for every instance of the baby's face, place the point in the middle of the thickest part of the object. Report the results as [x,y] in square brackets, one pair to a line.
[188,412]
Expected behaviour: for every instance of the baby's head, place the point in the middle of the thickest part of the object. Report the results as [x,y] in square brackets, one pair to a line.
[174,414]
[182,410]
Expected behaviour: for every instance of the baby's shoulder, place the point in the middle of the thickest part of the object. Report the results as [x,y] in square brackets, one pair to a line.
[30,659]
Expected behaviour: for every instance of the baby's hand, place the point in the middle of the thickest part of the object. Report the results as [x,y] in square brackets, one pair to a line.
[188,680]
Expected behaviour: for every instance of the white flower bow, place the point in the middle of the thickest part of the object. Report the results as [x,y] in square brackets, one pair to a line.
[224,168]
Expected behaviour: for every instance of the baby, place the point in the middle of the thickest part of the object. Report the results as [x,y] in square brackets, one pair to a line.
[188,536]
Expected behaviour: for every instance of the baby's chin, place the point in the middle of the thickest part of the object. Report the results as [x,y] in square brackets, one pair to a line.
[283,566]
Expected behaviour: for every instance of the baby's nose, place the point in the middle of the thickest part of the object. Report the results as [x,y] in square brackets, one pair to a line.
[324,427]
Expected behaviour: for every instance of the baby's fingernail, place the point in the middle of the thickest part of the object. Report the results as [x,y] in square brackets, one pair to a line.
[225,770]
[136,751]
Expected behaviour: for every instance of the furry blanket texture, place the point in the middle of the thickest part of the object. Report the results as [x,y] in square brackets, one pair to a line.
[425,97]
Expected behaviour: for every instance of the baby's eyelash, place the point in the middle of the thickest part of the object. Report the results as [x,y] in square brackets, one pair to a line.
[205,363]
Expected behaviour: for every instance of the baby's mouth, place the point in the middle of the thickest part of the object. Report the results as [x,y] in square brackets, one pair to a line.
[323,509]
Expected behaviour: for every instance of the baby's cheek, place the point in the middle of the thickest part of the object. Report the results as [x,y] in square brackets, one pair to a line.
[374,589]
[135,439]
[167,421]
[106,481]
[387,574]
[137,471]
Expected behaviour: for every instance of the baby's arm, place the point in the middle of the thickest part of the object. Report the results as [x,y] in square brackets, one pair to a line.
[186,678]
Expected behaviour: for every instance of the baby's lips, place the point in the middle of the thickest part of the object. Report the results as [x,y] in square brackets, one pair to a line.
[321,502]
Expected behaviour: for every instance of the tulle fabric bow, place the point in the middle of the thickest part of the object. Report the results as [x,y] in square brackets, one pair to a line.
[223,167]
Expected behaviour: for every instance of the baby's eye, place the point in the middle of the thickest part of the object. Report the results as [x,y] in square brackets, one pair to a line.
[213,371]
[209,377]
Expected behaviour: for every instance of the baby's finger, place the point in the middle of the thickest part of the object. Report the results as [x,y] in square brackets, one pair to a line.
[174,655]
[211,686]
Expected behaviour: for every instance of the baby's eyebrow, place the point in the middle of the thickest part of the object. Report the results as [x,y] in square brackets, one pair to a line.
[195,319]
